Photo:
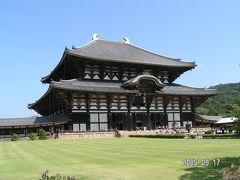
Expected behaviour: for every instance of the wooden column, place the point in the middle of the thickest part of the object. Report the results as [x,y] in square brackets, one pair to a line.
[134,124]
[165,111]
[194,103]
[149,124]
[130,121]
[154,120]
[130,99]
[26,131]
[88,100]
[148,118]
[124,119]
[109,115]
[180,101]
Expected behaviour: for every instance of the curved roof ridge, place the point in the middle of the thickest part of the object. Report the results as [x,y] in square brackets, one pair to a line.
[122,43]
[84,46]
[137,79]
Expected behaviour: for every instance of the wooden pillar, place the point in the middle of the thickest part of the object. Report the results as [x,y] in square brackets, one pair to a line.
[129,114]
[180,101]
[109,115]
[88,100]
[124,119]
[154,121]
[192,109]
[149,124]
[148,118]
[134,124]
[26,131]
[12,130]
[130,121]
[165,111]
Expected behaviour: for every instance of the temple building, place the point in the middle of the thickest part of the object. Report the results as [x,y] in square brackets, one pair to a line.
[107,85]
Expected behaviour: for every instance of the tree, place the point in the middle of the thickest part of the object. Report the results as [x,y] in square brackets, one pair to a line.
[14,137]
[235,112]
[202,110]
[42,134]
[32,136]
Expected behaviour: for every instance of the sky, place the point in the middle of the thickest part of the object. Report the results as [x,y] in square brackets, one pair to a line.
[33,35]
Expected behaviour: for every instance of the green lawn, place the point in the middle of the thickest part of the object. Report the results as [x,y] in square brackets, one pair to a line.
[120,158]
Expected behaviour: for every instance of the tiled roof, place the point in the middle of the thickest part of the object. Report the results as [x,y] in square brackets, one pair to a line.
[209,118]
[116,87]
[90,86]
[125,53]
[34,120]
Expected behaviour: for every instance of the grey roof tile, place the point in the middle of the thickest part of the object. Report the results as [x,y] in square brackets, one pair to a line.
[34,120]
[125,53]
[96,86]
[209,118]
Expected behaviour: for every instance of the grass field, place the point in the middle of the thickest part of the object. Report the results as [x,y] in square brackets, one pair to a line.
[120,158]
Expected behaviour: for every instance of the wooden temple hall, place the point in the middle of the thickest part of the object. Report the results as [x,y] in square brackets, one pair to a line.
[107,85]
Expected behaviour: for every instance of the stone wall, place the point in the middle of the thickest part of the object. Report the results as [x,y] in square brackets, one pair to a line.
[85,135]
[147,132]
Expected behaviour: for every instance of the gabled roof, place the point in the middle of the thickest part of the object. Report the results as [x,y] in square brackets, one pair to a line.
[125,53]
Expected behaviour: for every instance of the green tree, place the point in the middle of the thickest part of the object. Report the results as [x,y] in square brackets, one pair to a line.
[14,137]
[42,134]
[235,112]
[32,136]
[202,110]
[220,104]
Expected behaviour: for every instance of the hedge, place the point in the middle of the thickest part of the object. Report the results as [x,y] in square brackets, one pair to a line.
[221,136]
[178,136]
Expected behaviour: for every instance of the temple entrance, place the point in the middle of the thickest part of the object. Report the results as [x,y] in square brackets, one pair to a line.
[137,121]
[119,121]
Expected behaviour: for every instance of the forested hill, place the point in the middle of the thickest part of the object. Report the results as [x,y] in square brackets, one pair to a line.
[220,104]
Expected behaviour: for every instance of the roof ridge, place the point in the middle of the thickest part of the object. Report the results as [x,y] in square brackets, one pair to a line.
[84,46]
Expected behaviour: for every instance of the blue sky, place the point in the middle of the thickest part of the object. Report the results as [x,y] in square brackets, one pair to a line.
[33,35]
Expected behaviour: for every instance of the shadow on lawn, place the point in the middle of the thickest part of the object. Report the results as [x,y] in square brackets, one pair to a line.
[209,172]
